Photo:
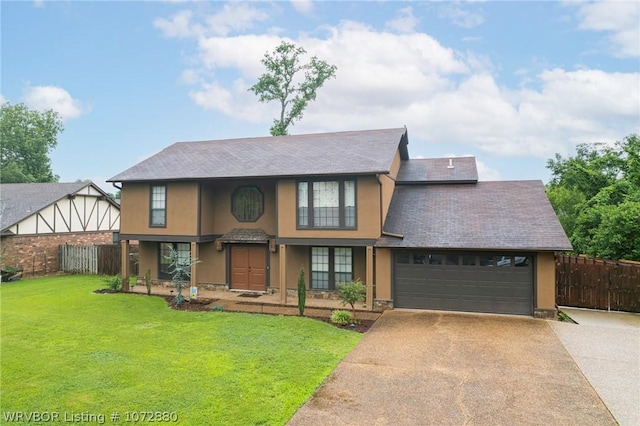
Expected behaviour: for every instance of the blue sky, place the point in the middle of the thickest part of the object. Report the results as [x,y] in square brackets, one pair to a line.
[509,82]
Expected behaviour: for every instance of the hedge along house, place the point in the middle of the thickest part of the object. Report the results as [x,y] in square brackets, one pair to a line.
[36,218]
[346,205]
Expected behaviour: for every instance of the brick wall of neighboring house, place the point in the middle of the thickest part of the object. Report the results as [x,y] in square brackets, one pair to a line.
[38,255]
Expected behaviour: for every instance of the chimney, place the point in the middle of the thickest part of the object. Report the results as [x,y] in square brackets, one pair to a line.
[450,166]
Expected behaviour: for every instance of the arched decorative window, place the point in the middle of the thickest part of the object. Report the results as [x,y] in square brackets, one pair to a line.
[247,204]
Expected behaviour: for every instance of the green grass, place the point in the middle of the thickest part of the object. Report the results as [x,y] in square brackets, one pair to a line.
[67,350]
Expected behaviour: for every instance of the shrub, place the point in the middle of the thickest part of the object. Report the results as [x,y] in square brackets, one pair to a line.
[341,317]
[147,281]
[302,292]
[114,283]
[180,270]
[352,292]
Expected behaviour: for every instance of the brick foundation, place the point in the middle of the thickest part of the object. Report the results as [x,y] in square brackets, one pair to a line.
[545,313]
[382,304]
[39,255]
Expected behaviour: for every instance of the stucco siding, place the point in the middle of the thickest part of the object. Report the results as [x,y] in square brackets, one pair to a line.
[367,205]
[182,209]
[383,269]
[545,281]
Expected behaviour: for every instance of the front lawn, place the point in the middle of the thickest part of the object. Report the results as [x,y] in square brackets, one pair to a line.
[66,350]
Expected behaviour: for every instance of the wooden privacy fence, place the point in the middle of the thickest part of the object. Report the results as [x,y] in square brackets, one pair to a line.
[99,260]
[597,284]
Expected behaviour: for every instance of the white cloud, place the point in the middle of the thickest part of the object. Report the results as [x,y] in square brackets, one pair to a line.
[3,100]
[404,22]
[232,17]
[235,17]
[459,16]
[179,25]
[303,6]
[620,19]
[56,98]
[486,173]
[443,96]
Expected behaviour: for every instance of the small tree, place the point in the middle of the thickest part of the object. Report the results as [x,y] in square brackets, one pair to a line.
[180,270]
[351,293]
[302,292]
[277,83]
[147,281]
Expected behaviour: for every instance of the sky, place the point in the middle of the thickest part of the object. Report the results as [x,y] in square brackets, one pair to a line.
[512,83]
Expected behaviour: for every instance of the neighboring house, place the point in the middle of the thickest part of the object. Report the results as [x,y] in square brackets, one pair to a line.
[420,233]
[36,218]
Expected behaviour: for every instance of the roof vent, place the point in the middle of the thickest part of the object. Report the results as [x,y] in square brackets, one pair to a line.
[450,166]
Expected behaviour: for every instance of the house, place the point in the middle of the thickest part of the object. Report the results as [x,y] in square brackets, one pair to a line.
[420,233]
[36,218]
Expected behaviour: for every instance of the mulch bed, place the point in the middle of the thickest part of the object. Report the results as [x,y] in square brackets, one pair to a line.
[205,305]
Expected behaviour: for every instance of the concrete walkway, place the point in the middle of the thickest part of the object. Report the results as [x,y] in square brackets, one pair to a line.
[421,368]
[606,347]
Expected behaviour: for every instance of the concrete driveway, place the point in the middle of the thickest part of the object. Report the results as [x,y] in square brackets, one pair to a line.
[417,368]
[606,347]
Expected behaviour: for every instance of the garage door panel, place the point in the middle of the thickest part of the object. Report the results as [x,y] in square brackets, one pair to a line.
[507,289]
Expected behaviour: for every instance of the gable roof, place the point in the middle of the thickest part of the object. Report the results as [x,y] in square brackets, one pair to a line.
[346,153]
[20,200]
[438,170]
[506,215]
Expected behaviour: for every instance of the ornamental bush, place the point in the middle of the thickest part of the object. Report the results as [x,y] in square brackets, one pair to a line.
[341,317]
[302,292]
[351,293]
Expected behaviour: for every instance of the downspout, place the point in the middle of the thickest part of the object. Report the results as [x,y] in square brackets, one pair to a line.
[380,201]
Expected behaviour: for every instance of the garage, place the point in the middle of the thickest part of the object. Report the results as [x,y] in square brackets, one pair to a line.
[470,282]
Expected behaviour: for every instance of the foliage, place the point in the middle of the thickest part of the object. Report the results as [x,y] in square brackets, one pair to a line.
[180,270]
[147,281]
[302,292]
[596,195]
[27,137]
[102,352]
[351,293]
[114,282]
[279,83]
[341,317]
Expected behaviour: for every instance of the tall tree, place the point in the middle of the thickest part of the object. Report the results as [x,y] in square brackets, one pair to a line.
[596,195]
[27,137]
[283,83]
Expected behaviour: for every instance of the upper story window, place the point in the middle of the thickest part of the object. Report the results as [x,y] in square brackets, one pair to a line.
[247,204]
[327,204]
[158,215]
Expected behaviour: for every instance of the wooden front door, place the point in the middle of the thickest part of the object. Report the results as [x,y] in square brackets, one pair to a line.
[248,268]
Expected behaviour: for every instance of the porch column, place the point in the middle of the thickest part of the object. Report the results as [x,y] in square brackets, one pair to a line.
[195,252]
[283,273]
[369,278]
[124,264]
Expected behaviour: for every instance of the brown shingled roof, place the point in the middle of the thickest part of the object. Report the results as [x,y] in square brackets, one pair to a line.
[438,170]
[511,215]
[355,152]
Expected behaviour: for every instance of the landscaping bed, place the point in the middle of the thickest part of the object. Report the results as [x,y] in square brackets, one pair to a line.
[206,304]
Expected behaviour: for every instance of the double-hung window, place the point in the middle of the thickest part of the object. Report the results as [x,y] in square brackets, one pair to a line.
[158,213]
[330,266]
[184,256]
[327,204]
